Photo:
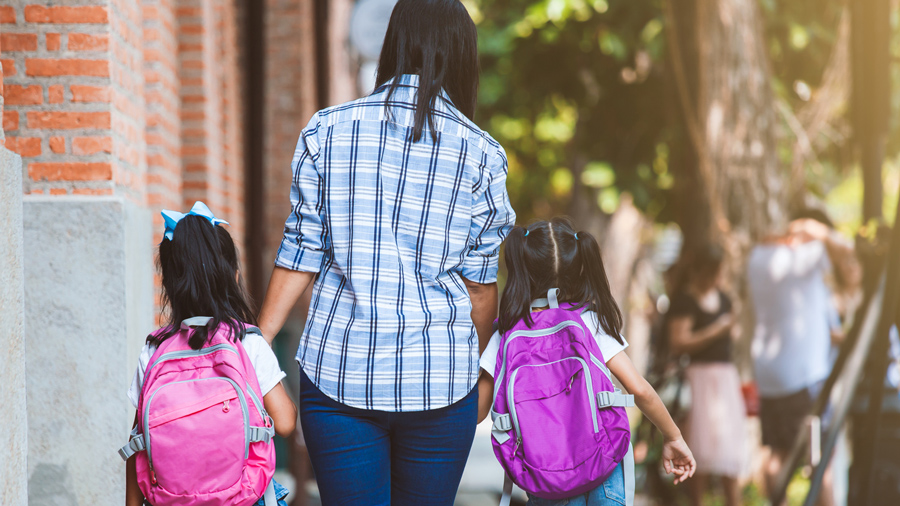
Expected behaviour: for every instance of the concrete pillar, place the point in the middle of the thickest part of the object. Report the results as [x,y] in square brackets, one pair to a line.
[88,304]
[13,419]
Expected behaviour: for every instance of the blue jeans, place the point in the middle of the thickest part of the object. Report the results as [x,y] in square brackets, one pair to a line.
[611,493]
[370,457]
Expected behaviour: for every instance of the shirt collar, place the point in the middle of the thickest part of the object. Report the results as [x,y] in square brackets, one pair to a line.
[410,81]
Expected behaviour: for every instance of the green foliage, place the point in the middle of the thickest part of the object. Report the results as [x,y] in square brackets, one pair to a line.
[578,93]
[574,91]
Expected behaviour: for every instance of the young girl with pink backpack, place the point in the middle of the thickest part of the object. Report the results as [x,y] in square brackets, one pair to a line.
[560,430]
[207,389]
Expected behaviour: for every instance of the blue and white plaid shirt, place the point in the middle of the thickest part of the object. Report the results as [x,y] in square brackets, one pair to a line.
[391,226]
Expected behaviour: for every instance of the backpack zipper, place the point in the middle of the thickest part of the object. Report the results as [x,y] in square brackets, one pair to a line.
[244,412]
[528,333]
[205,351]
[189,353]
[510,391]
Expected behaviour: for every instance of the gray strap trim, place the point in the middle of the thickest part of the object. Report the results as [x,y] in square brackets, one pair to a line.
[502,422]
[197,321]
[136,444]
[500,429]
[263,434]
[617,399]
[269,498]
[252,330]
[628,469]
[552,300]
[539,303]
[507,490]
[553,297]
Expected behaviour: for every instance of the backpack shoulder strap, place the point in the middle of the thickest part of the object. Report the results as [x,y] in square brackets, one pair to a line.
[250,329]
[551,301]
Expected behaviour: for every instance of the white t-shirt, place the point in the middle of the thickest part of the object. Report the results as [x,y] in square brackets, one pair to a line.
[792,306]
[609,347]
[268,372]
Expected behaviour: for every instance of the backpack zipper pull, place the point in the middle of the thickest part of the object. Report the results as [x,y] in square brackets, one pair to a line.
[569,387]
[225,406]
[153,476]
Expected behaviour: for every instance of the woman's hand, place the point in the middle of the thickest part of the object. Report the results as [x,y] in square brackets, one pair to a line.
[678,459]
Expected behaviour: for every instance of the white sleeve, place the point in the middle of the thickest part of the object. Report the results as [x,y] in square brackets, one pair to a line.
[134,392]
[268,372]
[609,346]
[488,360]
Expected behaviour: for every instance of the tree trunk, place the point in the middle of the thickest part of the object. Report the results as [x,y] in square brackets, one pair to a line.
[723,83]
[870,42]
[730,114]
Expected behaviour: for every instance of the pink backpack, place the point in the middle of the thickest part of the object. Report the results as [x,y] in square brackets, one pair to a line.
[203,436]
[560,427]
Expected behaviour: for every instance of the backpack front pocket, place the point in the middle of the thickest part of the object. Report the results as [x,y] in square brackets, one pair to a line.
[553,413]
[197,435]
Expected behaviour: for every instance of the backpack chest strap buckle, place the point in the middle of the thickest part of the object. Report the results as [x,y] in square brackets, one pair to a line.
[261,434]
[136,444]
[502,426]
[616,399]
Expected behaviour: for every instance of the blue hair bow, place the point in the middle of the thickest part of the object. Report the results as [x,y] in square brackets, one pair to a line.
[200,209]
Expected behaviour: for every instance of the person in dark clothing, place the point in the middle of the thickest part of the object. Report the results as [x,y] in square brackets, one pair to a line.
[700,322]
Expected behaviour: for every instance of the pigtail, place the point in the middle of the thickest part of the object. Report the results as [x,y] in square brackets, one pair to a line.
[515,304]
[596,285]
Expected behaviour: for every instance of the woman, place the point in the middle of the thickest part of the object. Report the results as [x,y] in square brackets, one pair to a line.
[700,321]
[399,209]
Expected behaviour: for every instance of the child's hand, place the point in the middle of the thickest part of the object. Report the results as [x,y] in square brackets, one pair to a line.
[678,459]
[485,395]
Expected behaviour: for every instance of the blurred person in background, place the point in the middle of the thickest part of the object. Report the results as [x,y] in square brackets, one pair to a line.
[792,336]
[700,323]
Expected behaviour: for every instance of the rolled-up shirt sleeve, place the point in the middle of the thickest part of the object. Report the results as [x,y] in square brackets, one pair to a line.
[305,236]
[492,219]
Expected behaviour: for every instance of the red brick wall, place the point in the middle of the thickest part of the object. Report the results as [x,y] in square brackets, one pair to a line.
[73,97]
[290,101]
[162,87]
[139,98]
[134,98]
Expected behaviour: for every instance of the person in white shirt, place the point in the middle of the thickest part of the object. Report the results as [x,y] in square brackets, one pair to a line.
[792,332]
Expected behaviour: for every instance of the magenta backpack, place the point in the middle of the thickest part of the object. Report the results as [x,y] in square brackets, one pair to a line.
[203,437]
[560,427]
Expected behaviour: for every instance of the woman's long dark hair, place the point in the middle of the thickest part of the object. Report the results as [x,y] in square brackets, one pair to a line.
[199,271]
[437,40]
[550,256]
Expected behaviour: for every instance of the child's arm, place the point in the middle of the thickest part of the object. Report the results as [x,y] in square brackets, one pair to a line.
[677,457]
[282,410]
[485,395]
[484,310]
[133,494]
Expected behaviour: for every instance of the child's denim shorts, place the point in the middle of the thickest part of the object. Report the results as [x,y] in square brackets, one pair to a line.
[611,493]
[280,493]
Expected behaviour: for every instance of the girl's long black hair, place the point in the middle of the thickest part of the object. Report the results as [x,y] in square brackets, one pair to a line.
[437,40]
[550,256]
[200,277]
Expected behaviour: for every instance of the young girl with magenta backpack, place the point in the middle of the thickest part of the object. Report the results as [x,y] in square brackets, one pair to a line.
[208,387]
[559,426]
